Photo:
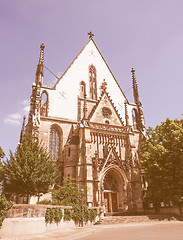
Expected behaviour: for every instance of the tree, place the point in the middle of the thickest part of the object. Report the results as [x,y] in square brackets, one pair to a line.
[2,154]
[72,194]
[68,194]
[30,171]
[162,160]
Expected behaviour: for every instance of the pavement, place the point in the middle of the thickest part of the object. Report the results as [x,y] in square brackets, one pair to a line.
[81,232]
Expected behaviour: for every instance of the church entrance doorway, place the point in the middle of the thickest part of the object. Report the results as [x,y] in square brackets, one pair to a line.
[111,192]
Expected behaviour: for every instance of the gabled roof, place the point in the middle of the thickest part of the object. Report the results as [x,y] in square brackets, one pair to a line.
[71,64]
[114,160]
[104,93]
[91,39]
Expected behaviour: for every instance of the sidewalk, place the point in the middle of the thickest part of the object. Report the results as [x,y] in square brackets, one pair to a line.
[79,232]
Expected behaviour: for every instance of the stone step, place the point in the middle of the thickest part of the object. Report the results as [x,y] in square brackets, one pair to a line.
[139,219]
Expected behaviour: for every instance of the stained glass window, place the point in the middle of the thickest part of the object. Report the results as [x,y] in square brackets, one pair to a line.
[55,140]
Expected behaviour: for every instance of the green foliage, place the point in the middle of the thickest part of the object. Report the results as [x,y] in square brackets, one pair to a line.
[92,214]
[68,194]
[2,154]
[77,213]
[45,202]
[162,160]
[53,215]
[85,214]
[67,214]
[1,166]
[4,206]
[30,171]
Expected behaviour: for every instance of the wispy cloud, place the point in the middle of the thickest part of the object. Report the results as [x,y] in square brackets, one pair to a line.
[25,102]
[16,118]
[13,119]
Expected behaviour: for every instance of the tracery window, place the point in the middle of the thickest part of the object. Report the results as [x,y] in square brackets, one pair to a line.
[55,143]
[93,82]
[106,112]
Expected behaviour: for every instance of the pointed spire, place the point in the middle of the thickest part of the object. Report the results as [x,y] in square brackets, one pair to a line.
[126,114]
[39,72]
[135,88]
[22,134]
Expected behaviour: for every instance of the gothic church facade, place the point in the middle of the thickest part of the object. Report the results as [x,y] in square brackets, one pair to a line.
[91,129]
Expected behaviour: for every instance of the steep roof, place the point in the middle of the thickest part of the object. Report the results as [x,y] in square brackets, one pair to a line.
[91,39]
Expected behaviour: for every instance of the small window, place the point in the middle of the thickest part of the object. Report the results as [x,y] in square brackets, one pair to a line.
[106,122]
[82,89]
[106,112]
[69,152]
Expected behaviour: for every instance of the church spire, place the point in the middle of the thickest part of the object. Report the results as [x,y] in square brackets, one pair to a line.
[39,72]
[135,88]
[22,134]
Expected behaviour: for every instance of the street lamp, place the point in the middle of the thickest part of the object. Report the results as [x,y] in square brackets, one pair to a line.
[82,192]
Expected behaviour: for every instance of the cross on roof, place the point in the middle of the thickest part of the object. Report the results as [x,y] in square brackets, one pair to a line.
[90,35]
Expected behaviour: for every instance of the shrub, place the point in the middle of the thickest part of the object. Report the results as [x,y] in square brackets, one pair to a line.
[45,202]
[67,214]
[89,214]
[53,215]
[4,206]
[92,214]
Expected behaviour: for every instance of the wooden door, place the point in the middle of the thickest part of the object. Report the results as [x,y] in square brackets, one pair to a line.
[106,201]
[114,202]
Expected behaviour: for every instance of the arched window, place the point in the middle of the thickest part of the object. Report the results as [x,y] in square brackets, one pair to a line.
[55,145]
[93,82]
[44,104]
[82,89]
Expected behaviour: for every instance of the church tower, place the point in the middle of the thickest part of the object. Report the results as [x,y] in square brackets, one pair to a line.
[91,129]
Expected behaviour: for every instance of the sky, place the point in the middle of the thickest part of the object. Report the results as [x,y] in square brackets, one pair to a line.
[144,34]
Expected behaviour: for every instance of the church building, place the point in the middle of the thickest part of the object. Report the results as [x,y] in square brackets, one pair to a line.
[91,129]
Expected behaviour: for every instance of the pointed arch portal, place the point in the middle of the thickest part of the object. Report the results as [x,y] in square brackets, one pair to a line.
[114,190]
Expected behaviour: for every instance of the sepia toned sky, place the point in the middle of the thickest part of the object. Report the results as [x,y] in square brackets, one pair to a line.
[144,34]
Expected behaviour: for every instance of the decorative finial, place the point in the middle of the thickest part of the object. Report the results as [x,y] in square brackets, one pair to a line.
[91,35]
[104,85]
[135,87]
[39,72]
[126,114]
[41,57]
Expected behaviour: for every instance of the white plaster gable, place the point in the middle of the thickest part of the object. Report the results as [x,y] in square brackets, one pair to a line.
[63,97]
[97,115]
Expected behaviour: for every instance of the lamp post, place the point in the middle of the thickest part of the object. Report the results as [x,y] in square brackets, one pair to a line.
[82,192]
